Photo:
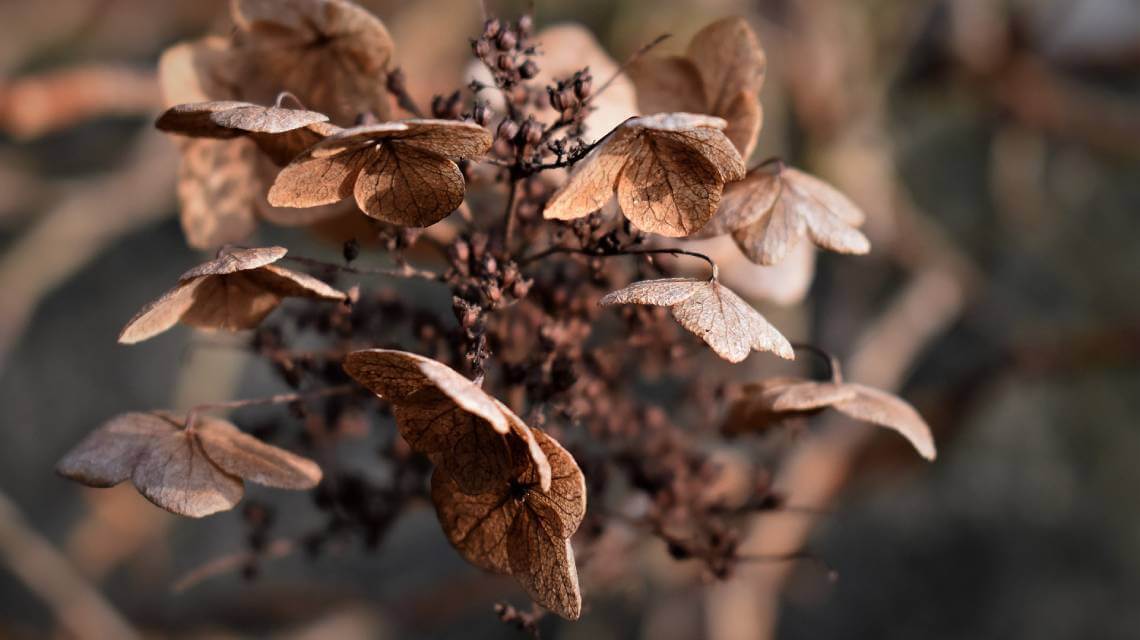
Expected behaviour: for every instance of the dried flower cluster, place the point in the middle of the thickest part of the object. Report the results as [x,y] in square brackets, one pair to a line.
[294,120]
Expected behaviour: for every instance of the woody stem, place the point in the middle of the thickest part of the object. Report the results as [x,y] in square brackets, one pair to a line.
[281,398]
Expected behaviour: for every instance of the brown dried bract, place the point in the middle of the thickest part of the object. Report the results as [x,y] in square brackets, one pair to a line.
[517,528]
[769,211]
[230,118]
[668,171]
[400,172]
[448,418]
[332,54]
[721,74]
[771,401]
[193,472]
[711,311]
[232,292]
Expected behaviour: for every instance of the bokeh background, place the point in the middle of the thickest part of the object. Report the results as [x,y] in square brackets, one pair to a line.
[995,145]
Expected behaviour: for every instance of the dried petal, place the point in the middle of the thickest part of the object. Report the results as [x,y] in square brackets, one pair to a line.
[197,71]
[668,187]
[712,312]
[232,292]
[215,180]
[775,399]
[593,182]
[886,410]
[406,185]
[517,528]
[310,180]
[240,454]
[744,202]
[668,83]
[730,60]
[228,119]
[745,117]
[192,472]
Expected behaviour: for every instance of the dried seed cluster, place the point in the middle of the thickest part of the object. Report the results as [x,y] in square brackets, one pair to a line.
[300,118]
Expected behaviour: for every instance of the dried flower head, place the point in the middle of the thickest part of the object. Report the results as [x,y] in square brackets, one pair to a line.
[720,74]
[332,54]
[234,291]
[711,311]
[770,210]
[517,528]
[193,471]
[668,171]
[400,172]
[773,400]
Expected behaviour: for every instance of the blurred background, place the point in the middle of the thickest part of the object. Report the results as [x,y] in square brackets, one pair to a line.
[995,145]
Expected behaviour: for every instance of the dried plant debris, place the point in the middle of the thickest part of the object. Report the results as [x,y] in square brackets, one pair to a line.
[517,528]
[194,471]
[447,417]
[234,291]
[668,171]
[400,172]
[721,74]
[771,401]
[332,54]
[773,208]
[711,311]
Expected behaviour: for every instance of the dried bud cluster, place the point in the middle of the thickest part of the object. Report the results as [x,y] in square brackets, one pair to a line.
[295,119]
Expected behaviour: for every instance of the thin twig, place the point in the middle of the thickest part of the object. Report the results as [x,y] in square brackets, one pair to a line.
[834,372]
[280,398]
[598,253]
[405,271]
[630,60]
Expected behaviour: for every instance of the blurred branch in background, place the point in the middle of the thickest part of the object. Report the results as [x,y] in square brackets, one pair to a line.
[90,215]
[37,105]
[47,573]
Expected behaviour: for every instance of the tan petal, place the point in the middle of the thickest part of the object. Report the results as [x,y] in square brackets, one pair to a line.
[745,116]
[744,202]
[714,146]
[448,138]
[663,293]
[240,454]
[678,121]
[108,455]
[232,260]
[476,525]
[562,507]
[310,181]
[768,240]
[544,565]
[287,283]
[160,314]
[730,60]
[593,181]
[668,187]
[827,214]
[332,54]
[406,185]
[230,302]
[729,325]
[214,190]
[175,474]
[254,118]
[194,119]
[752,411]
[396,375]
[807,395]
[282,148]
[886,410]
[668,84]
[712,312]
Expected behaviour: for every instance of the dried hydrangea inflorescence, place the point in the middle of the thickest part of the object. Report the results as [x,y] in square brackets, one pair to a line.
[710,310]
[517,528]
[447,417]
[721,74]
[232,292]
[193,471]
[400,172]
[332,54]
[769,211]
[668,171]
[771,401]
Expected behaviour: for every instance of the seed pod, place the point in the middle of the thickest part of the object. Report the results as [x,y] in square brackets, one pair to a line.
[568,99]
[555,98]
[532,131]
[491,28]
[525,25]
[528,70]
[583,84]
[506,41]
[481,47]
[481,113]
[506,62]
[507,130]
